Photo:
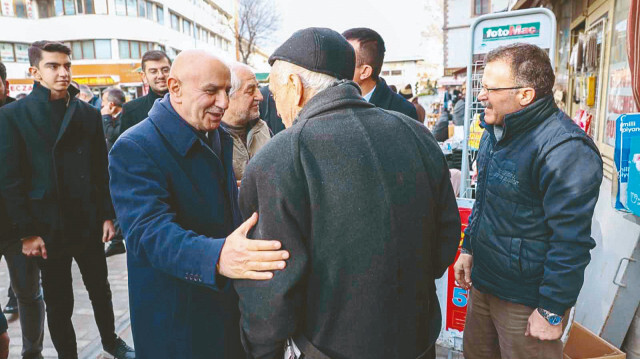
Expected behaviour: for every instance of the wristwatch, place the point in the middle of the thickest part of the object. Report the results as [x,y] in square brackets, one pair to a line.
[552,318]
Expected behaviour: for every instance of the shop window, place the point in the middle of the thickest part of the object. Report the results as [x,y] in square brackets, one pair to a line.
[619,91]
[103,49]
[6,52]
[22,53]
[481,7]
[144,47]
[135,49]
[160,14]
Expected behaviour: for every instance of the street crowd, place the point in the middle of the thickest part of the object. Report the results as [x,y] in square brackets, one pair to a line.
[304,219]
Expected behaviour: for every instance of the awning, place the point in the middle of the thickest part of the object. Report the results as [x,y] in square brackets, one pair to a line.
[262,76]
[633,48]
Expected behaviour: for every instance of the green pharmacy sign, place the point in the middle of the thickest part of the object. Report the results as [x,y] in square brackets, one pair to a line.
[531,29]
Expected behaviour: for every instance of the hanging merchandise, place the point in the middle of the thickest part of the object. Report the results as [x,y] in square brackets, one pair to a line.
[591,51]
[591,91]
[576,59]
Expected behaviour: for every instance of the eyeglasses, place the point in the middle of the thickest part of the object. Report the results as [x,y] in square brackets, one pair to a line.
[488,90]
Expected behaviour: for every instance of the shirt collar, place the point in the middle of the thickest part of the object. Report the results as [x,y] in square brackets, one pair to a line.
[367,97]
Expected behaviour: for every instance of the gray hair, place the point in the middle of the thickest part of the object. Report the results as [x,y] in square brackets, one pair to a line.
[310,80]
[116,96]
[236,83]
[84,89]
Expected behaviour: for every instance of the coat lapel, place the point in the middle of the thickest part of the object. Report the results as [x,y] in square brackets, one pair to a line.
[68,115]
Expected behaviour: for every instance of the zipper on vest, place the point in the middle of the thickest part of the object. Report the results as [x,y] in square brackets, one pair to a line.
[484,193]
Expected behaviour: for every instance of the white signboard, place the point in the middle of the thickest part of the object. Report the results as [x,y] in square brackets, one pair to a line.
[537,29]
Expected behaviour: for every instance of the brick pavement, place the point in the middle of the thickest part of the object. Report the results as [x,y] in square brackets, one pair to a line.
[87,335]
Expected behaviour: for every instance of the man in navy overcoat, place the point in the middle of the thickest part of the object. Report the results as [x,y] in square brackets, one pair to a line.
[175,194]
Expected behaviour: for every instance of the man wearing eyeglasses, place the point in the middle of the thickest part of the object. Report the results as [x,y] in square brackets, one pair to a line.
[529,236]
[155,72]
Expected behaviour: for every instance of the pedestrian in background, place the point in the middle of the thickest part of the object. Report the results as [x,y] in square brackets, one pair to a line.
[268,111]
[369,225]
[23,272]
[54,182]
[242,118]
[370,49]
[155,66]
[176,198]
[529,235]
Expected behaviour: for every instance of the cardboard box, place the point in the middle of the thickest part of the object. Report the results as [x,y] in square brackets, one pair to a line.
[583,344]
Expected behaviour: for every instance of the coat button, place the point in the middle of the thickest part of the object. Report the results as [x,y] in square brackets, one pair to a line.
[79,151]
[82,176]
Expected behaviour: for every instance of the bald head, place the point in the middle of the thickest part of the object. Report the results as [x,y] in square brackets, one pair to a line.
[199,83]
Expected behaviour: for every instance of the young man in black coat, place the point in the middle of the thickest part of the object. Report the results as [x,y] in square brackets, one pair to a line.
[369,226]
[55,184]
[23,271]
[369,47]
[155,72]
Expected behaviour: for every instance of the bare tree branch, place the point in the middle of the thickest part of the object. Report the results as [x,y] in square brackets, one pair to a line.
[257,21]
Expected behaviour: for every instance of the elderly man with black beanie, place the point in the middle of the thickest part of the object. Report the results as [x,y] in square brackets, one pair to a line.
[369,226]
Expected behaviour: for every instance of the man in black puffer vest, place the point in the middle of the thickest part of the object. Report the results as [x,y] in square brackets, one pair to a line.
[529,234]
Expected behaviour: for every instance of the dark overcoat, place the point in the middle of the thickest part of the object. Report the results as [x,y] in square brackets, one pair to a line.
[386,99]
[55,184]
[361,197]
[137,110]
[176,201]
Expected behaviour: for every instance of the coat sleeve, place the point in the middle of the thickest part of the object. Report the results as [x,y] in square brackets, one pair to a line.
[100,172]
[142,199]
[270,310]
[447,225]
[12,181]
[570,178]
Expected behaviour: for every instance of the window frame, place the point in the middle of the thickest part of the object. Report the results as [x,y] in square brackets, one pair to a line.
[474,7]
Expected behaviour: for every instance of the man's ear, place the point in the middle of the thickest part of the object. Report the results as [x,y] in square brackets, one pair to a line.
[366,72]
[175,89]
[33,71]
[296,83]
[527,96]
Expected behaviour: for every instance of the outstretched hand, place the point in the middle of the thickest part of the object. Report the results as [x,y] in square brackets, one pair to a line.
[243,258]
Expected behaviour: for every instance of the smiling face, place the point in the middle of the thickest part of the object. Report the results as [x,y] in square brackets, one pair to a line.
[200,96]
[500,102]
[244,102]
[53,72]
[155,74]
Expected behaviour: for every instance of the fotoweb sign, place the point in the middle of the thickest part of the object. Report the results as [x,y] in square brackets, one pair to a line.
[519,31]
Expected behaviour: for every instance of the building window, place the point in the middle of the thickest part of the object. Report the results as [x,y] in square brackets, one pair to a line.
[160,14]
[150,11]
[133,49]
[22,53]
[142,8]
[90,49]
[73,7]
[21,8]
[121,7]
[103,49]
[6,52]
[396,72]
[186,27]
[175,22]
[481,7]
[131,8]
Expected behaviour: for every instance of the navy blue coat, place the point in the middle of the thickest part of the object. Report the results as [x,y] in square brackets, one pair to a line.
[530,228]
[384,98]
[176,202]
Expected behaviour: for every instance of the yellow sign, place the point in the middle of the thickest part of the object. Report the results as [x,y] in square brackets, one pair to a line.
[95,81]
[475,133]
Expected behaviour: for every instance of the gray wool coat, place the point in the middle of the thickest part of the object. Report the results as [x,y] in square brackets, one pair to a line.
[361,198]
